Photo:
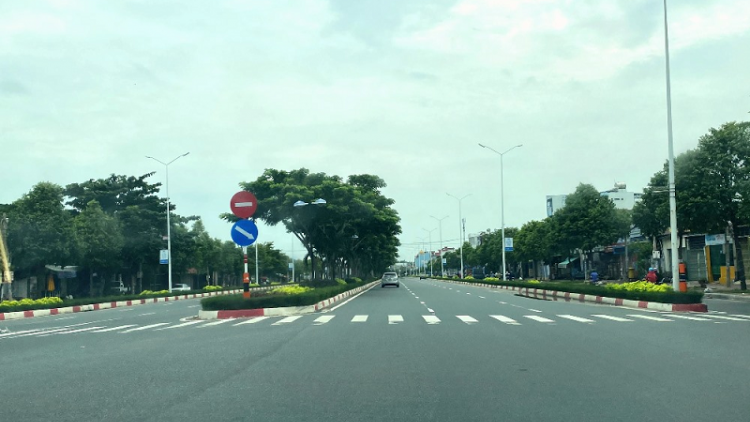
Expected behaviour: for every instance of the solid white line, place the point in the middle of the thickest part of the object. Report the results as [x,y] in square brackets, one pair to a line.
[575,318]
[650,318]
[145,327]
[395,319]
[349,300]
[505,319]
[287,320]
[323,319]
[184,324]
[221,321]
[120,327]
[534,310]
[613,318]
[741,316]
[726,318]
[692,318]
[467,319]
[538,318]
[251,320]
[359,318]
[431,319]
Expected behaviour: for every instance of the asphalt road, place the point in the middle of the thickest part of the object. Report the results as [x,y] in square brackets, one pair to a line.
[427,351]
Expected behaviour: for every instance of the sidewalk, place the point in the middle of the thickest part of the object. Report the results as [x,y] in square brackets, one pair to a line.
[719,291]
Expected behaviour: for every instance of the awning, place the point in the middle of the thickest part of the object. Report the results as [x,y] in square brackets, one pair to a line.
[565,263]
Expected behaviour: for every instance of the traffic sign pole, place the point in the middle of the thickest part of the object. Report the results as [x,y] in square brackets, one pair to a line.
[245,277]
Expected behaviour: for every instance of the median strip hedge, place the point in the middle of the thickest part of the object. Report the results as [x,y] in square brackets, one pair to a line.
[301,296]
[589,289]
[55,302]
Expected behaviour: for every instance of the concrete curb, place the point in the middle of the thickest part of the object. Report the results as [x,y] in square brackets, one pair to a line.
[580,297]
[285,311]
[725,296]
[117,304]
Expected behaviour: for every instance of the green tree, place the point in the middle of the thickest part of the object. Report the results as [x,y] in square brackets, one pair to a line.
[40,231]
[100,243]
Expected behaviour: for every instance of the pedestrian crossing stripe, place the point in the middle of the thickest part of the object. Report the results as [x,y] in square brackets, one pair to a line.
[391,319]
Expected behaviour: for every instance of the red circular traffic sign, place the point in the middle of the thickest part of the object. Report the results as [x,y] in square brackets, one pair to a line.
[243,204]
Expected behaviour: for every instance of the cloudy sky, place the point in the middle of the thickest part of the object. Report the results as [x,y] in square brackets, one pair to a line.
[401,89]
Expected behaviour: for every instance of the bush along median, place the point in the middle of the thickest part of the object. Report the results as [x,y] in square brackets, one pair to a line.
[287,296]
[639,291]
[53,302]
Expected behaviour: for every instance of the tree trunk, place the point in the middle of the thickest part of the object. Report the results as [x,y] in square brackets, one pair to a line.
[738,261]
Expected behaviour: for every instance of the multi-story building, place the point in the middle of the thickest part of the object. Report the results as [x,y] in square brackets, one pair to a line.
[619,195]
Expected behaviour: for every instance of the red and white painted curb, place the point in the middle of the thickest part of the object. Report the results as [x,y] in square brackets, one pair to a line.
[117,304]
[285,311]
[580,297]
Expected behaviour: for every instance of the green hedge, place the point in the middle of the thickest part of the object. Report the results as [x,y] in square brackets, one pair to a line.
[589,289]
[233,302]
[92,300]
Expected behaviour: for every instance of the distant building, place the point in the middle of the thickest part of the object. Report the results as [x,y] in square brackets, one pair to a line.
[619,195]
[475,239]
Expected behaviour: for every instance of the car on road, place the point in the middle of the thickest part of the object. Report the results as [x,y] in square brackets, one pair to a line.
[389,278]
[180,288]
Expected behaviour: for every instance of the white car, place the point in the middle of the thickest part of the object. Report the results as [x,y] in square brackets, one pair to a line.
[180,288]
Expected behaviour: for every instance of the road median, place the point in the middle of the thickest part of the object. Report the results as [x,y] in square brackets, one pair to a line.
[561,295]
[284,310]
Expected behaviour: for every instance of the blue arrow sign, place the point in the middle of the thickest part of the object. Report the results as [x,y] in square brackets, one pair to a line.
[244,232]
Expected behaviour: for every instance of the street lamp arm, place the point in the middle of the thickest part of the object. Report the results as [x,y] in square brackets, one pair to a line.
[177,158]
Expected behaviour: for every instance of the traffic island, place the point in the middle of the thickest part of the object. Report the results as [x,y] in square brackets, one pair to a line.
[306,302]
[572,296]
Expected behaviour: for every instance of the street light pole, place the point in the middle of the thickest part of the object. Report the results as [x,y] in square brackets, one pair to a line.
[169,225]
[460,229]
[672,195]
[440,226]
[502,197]
[430,255]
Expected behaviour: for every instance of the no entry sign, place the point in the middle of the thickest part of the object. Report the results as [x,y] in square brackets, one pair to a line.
[243,204]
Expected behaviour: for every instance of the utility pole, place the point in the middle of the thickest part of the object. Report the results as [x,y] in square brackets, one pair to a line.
[440,226]
[6,291]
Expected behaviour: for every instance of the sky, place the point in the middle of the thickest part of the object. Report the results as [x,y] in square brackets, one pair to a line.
[403,90]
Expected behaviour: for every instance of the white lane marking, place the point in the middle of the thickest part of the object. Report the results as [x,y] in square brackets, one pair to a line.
[210,324]
[431,319]
[416,297]
[147,314]
[534,310]
[481,297]
[119,327]
[575,318]
[613,318]
[650,318]
[251,320]
[395,319]
[287,320]
[727,318]
[467,319]
[538,318]
[127,310]
[505,319]
[193,306]
[80,330]
[503,303]
[468,293]
[359,318]
[692,318]
[145,327]
[741,316]
[348,300]
[71,317]
[20,332]
[430,310]
[323,319]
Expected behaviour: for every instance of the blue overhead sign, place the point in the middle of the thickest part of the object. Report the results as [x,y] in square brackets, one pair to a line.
[244,232]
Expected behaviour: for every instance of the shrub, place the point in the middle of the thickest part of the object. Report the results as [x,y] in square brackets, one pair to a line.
[468,277]
[341,281]
[309,297]
[29,304]
[640,286]
[212,288]
[290,290]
